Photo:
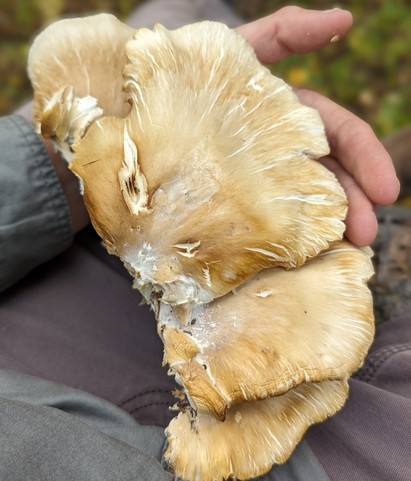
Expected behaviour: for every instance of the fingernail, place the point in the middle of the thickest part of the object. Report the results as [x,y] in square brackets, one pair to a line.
[332,10]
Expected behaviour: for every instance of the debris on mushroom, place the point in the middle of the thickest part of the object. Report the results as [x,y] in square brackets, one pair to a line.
[200,171]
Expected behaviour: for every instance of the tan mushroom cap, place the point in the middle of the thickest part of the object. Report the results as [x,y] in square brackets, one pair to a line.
[279,329]
[253,437]
[219,140]
[87,54]
[216,162]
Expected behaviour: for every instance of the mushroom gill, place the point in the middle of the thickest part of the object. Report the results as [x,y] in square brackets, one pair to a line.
[217,142]
[200,171]
[254,436]
[290,328]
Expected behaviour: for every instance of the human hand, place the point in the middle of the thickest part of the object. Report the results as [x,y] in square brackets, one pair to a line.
[358,159]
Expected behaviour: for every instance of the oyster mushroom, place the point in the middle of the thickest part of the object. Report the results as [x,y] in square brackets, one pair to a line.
[200,171]
[205,161]
[254,436]
[60,57]
[290,328]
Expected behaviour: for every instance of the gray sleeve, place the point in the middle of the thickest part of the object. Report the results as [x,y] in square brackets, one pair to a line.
[50,431]
[35,223]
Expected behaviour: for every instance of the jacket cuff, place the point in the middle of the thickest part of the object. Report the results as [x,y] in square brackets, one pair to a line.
[35,223]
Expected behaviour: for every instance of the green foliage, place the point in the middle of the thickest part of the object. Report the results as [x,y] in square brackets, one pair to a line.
[20,21]
[369,71]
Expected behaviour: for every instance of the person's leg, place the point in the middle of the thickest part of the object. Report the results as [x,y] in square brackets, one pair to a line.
[77,321]
[50,431]
[370,440]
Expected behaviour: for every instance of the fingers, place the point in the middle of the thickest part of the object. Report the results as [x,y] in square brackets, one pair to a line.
[361,220]
[361,164]
[357,149]
[294,30]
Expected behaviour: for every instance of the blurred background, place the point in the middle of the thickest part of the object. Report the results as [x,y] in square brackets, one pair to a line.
[369,71]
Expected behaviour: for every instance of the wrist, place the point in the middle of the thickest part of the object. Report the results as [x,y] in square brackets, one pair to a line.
[68,181]
[70,185]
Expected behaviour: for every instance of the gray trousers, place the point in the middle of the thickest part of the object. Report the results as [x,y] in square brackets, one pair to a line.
[77,322]
[80,363]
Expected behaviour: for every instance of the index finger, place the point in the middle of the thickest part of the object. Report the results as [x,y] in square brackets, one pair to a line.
[294,30]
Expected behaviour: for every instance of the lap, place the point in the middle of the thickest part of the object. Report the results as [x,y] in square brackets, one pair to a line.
[369,439]
[77,321]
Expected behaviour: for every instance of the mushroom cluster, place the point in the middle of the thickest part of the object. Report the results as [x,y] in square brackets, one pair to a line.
[200,170]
